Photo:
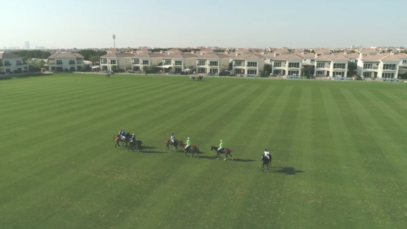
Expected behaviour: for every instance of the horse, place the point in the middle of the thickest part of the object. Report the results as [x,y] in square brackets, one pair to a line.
[200,78]
[169,142]
[227,152]
[192,77]
[118,138]
[137,144]
[193,149]
[266,161]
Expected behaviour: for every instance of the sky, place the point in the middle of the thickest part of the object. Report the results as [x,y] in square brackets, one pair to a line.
[193,23]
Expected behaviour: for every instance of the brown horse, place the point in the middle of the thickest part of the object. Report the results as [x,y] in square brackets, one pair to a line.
[200,78]
[227,152]
[117,138]
[192,149]
[137,144]
[175,144]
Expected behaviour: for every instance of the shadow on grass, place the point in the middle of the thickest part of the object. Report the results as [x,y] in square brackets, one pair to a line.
[244,160]
[288,170]
[151,151]
[6,78]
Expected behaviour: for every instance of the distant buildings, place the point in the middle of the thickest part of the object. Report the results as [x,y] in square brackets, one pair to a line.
[12,63]
[65,62]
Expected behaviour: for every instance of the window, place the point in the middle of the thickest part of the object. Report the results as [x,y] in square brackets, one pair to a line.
[388,75]
[214,71]
[177,70]
[367,66]
[366,74]
[252,72]
[277,64]
[136,61]
[320,73]
[71,62]
[201,62]
[113,61]
[389,66]
[341,66]
[18,62]
[312,60]
[59,62]
[201,70]
[293,65]
[320,65]
[404,61]
[339,74]
[252,64]
[103,61]
[146,62]
[72,69]
[238,63]
[213,63]
[291,73]
[167,62]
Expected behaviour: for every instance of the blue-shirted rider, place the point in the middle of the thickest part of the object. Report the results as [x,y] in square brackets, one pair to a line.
[172,137]
[133,138]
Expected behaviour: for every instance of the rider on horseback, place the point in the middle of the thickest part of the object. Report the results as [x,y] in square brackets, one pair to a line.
[220,149]
[267,153]
[188,144]
[133,138]
[122,134]
[172,137]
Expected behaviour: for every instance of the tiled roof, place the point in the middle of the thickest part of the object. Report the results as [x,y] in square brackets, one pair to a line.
[288,57]
[249,56]
[381,58]
[332,57]
[65,55]
[4,55]
[117,55]
[308,55]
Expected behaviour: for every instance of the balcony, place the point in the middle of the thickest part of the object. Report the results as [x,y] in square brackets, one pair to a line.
[371,68]
[7,64]
[71,63]
[281,66]
[135,63]
[59,63]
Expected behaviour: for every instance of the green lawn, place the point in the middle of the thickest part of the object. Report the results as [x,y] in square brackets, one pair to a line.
[339,151]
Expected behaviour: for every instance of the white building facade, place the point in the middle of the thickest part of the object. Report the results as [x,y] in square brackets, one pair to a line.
[65,62]
[12,63]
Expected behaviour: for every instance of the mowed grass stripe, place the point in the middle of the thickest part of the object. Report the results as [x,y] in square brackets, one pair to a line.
[367,159]
[65,98]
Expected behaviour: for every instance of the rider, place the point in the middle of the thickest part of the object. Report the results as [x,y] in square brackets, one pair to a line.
[123,134]
[172,137]
[267,153]
[220,146]
[188,143]
[133,138]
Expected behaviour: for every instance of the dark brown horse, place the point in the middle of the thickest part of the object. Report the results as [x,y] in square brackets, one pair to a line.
[174,144]
[200,78]
[266,161]
[227,152]
[192,149]
[117,138]
[137,144]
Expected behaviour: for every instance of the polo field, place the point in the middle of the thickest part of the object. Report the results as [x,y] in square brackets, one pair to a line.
[338,150]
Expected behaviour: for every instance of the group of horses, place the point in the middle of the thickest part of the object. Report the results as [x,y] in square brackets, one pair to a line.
[127,143]
[191,149]
[199,78]
[195,150]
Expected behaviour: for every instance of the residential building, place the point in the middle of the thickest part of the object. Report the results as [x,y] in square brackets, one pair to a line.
[12,63]
[309,58]
[248,64]
[65,62]
[114,61]
[403,63]
[212,63]
[331,65]
[378,66]
[141,59]
[281,51]
[287,65]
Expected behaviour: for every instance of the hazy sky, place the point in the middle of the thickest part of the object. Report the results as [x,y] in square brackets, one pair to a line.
[224,23]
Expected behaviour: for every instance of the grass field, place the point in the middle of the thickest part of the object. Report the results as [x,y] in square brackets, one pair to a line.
[339,152]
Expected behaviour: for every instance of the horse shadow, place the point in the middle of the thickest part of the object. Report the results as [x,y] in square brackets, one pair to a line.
[244,160]
[288,170]
[151,151]
[149,147]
